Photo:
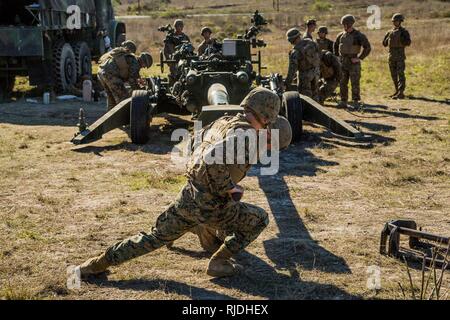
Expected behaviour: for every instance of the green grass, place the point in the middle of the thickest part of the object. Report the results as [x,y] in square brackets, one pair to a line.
[145,180]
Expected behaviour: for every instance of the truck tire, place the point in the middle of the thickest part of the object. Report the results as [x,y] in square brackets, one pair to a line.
[83,59]
[139,117]
[6,87]
[64,67]
[292,110]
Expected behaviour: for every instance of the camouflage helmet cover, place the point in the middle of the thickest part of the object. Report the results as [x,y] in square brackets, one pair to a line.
[130,45]
[206,29]
[398,17]
[285,131]
[263,103]
[323,29]
[292,34]
[348,19]
[178,22]
[146,59]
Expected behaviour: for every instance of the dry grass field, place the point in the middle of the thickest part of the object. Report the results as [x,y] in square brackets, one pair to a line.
[60,204]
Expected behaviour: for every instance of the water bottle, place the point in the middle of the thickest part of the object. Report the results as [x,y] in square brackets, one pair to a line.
[87,90]
[46,98]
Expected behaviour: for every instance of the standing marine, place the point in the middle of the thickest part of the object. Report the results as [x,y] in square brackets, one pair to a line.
[397,40]
[352,46]
[170,43]
[207,40]
[304,59]
[323,42]
[311,25]
[330,75]
[119,67]
[210,197]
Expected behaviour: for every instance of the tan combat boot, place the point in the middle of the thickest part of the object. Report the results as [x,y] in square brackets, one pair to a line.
[94,266]
[207,238]
[220,264]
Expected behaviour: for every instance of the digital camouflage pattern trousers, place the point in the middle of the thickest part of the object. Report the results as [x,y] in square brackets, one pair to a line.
[397,68]
[241,223]
[114,88]
[327,88]
[308,83]
[350,72]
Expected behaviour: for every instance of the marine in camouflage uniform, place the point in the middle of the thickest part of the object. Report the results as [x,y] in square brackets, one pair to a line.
[304,58]
[178,38]
[323,42]
[118,67]
[330,75]
[310,28]
[207,198]
[208,41]
[397,39]
[348,47]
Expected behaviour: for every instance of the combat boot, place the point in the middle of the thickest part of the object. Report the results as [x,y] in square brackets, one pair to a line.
[342,104]
[220,264]
[94,266]
[399,96]
[208,239]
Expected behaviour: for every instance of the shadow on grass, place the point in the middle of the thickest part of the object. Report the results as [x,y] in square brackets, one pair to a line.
[446,101]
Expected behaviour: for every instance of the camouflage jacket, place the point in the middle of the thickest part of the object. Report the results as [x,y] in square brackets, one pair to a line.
[214,179]
[202,47]
[171,43]
[325,44]
[349,44]
[307,35]
[127,71]
[397,39]
[303,57]
[330,67]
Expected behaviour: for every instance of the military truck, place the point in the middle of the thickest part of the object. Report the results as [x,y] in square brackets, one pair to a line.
[53,42]
[208,87]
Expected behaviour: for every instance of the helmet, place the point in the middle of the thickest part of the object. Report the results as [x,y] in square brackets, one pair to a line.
[348,19]
[398,17]
[263,103]
[311,22]
[292,34]
[285,131]
[206,29]
[146,59]
[130,45]
[178,22]
[323,29]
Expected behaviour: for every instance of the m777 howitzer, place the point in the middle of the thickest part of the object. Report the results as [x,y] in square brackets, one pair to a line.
[209,87]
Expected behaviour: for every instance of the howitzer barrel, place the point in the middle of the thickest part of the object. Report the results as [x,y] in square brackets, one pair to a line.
[217,94]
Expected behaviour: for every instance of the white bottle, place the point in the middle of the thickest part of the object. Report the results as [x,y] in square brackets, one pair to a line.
[87,90]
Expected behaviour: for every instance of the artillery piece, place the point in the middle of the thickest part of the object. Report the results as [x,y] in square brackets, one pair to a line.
[209,87]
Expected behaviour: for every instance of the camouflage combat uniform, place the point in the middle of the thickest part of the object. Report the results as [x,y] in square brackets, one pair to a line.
[348,45]
[305,58]
[325,44]
[307,35]
[397,39]
[169,50]
[330,75]
[202,201]
[204,45]
[116,68]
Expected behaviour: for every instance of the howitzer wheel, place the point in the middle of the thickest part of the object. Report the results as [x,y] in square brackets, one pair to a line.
[292,109]
[64,66]
[83,59]
[139,118]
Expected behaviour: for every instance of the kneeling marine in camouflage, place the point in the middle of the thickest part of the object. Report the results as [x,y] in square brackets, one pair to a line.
[330,75]
[210,196]
[118,67]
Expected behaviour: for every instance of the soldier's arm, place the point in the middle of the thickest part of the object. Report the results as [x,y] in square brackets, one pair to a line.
[293,67]
[406,38]
[366,47]
[336,45]
[168,50]
[134,74]
[386,38]
[337,69]
[331,46]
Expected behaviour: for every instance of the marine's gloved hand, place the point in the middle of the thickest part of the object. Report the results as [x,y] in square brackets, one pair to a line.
[236,193]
